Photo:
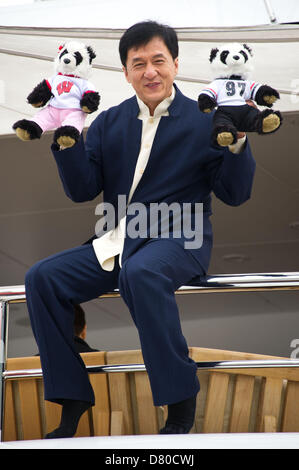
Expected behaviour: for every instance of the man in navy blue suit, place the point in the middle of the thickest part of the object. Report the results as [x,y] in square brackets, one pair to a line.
[152,149]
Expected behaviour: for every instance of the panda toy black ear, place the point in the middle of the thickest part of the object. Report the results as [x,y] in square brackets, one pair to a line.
[248,48]
[213,54]
[92,54]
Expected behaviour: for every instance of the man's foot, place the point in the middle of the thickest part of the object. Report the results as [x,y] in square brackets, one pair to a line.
[173,429]
[72,411]
[180,417]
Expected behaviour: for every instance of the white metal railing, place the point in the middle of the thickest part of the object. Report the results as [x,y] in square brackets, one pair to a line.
[211,284]
[255,33]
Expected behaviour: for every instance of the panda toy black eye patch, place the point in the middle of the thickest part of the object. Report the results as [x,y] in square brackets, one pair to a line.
[244,55]
[78,58]
[223,56]
[213,54]
[63,53]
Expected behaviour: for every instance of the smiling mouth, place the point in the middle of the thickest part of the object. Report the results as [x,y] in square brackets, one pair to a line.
[152,86]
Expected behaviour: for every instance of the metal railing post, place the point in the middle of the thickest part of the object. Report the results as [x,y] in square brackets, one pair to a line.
[4,308]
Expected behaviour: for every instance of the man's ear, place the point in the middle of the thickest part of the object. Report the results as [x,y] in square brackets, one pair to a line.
[176,63]
[126,73]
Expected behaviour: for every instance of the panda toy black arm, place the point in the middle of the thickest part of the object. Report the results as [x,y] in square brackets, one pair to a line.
[205,103]
[266,96]
[40,95]
[90,102]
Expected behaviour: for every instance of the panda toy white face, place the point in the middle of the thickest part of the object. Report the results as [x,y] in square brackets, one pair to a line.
[231,60]
[74,58]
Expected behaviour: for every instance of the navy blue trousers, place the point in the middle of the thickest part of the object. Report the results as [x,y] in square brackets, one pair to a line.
[147,282]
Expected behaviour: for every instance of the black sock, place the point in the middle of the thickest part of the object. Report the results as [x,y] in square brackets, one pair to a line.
[182,413]
[72,411]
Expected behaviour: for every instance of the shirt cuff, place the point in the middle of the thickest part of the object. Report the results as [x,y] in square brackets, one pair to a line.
[238,146]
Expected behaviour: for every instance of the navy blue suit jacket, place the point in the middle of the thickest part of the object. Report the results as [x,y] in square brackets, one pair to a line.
[183,167]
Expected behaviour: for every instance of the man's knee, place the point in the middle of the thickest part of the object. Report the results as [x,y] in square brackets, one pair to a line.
[138,273]
[132,271]
[129,273]
[36,275]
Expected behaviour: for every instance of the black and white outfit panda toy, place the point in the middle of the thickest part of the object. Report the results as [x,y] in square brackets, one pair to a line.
[231,88]
[69,96]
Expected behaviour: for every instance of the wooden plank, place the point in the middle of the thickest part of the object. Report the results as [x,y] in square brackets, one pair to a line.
[30,409]
[207,354]
[101,408]
[19,363]
[203,376]
[242,402]
[228,403]
[117,423]
[120,399]
[122,388]
[27,408]
[270,424]
[147,412]
[101,423]
[10,424]
[270,402]
[85,427]
[215,404]
[290,421]
[53,415]
[161,416]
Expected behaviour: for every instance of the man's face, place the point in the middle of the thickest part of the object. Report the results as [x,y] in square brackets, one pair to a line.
[151,71]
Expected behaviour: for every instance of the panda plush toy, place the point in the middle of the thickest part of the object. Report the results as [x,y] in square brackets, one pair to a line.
[231,65]
[69,97]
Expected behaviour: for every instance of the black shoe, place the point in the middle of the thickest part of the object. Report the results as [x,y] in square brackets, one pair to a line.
[72,411]
[173,429]
[180,417]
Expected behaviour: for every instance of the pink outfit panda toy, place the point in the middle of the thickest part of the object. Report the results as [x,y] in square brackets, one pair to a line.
[69,97]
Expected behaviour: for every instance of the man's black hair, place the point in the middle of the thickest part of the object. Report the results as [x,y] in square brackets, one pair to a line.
[141,33]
